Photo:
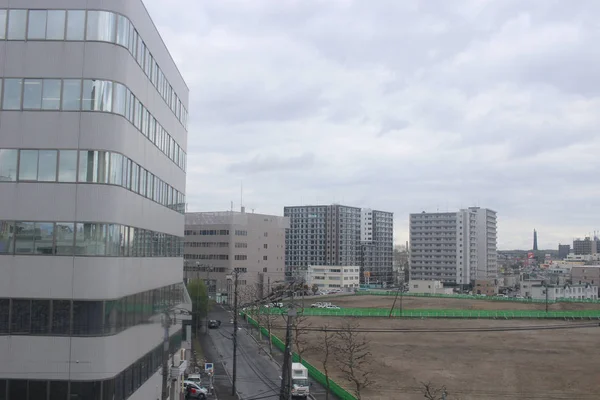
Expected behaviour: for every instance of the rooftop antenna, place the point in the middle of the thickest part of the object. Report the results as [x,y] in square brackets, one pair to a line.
[231,205]
[241,194]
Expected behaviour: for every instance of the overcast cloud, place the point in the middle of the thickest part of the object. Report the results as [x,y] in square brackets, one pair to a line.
[401,106]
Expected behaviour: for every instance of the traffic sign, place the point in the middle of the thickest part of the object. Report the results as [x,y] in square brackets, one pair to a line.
[208,367]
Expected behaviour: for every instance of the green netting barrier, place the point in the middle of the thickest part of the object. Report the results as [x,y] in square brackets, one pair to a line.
[313,372]
[468,297]
[443,313]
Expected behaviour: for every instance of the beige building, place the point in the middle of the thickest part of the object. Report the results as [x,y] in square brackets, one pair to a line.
[217,242]
[427,287]
[585,274]
[489,287]
[580,292]
[330,277]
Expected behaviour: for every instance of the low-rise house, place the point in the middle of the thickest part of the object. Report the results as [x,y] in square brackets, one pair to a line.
[555,292]
[428,287]
[329,277]
[488,287]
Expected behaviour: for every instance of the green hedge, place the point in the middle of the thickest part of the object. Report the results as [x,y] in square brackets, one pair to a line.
[468,297]
[312,371]
[443,313]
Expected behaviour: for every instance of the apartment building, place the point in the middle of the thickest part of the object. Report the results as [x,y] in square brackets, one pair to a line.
[329,277]
[586,246]
[217,242]
[453,247]
[340,235]
[556,292]
[93,137]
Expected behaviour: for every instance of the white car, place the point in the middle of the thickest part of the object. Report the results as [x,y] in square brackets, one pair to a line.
[332,307]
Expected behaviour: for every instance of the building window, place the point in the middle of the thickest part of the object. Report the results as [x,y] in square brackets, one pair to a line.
[17,21]
[264,258]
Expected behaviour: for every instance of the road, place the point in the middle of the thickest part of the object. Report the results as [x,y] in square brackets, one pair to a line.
[257,374]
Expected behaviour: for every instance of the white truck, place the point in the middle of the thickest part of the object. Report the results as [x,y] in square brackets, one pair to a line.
[300,382]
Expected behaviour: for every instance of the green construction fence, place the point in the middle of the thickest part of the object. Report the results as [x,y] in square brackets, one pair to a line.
[313,372]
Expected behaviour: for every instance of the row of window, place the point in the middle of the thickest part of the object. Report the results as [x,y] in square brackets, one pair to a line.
[206,244]
[207,232]
[92,167]
[101,26]
[89,95]
[206,257]
[118,388]
[85,239]
[86,317]
[241,233]
[196,268]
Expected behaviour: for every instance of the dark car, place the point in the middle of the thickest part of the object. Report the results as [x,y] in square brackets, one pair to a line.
[214,324]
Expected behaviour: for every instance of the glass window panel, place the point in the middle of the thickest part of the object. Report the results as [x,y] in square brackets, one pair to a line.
[16,388]
[65,236]
[20,319]
[123,31]
[8,165]
[116,169]
[124,239]
[67,166]
[132,39]
[37,25]
[17,21]
[40,317]
[71,99]
[91,239]
[7,232]
[86,166]
[138,114]
[55,27]
[44,238]
[89,95]
[32,94]
[88,317]
[47,165]
[38,390]
[59,390]
[4,315]
[61,316]
[85,390]
[140,49]
[120,100]
[75,24]
[113,240]
[51,94]
[111,315]
[150,186]
[127,170]
[143,174]
[135,174]
[101,26]
[24,237]
[105,99]
[11,99]
[28,165]
[102,167]
[2,24]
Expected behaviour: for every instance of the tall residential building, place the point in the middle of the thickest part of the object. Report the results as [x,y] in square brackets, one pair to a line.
[535,244]
[586,246]
[343,236]
[92,165]
[563,251]
[218,242]
[454,247]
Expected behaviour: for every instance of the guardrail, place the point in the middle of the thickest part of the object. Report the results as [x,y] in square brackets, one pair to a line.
[443,313]
[468,297]
[313,372]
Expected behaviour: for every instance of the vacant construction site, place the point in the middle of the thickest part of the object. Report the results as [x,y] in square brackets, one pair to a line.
[409,302]
[499,364]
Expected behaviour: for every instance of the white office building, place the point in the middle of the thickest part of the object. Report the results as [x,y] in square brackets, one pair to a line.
[92,180]
[329,277]
[453,247]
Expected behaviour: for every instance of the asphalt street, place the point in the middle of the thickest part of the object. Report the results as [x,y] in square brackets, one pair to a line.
[258,375]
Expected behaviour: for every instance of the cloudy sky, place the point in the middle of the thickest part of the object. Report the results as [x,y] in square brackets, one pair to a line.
[402,106]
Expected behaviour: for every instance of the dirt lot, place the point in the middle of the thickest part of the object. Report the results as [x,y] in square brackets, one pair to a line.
[542,364]
[443,303]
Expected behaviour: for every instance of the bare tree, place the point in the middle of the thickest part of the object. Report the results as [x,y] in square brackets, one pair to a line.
[432,392]
[327,347]
[353,356]
[315,288]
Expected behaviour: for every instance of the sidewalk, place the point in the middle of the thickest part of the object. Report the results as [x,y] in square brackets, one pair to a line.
[221,381]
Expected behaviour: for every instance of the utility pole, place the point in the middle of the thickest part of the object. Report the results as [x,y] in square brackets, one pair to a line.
[285,391]
[165,357]
[236,272]
[546,285]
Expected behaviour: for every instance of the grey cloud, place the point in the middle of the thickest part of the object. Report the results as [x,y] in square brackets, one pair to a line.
[272,163]
[392,124]
[495,103]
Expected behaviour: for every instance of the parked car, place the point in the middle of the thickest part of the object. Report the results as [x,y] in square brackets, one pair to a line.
[194,390]
[214,324]
[332,307]
[194,378]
